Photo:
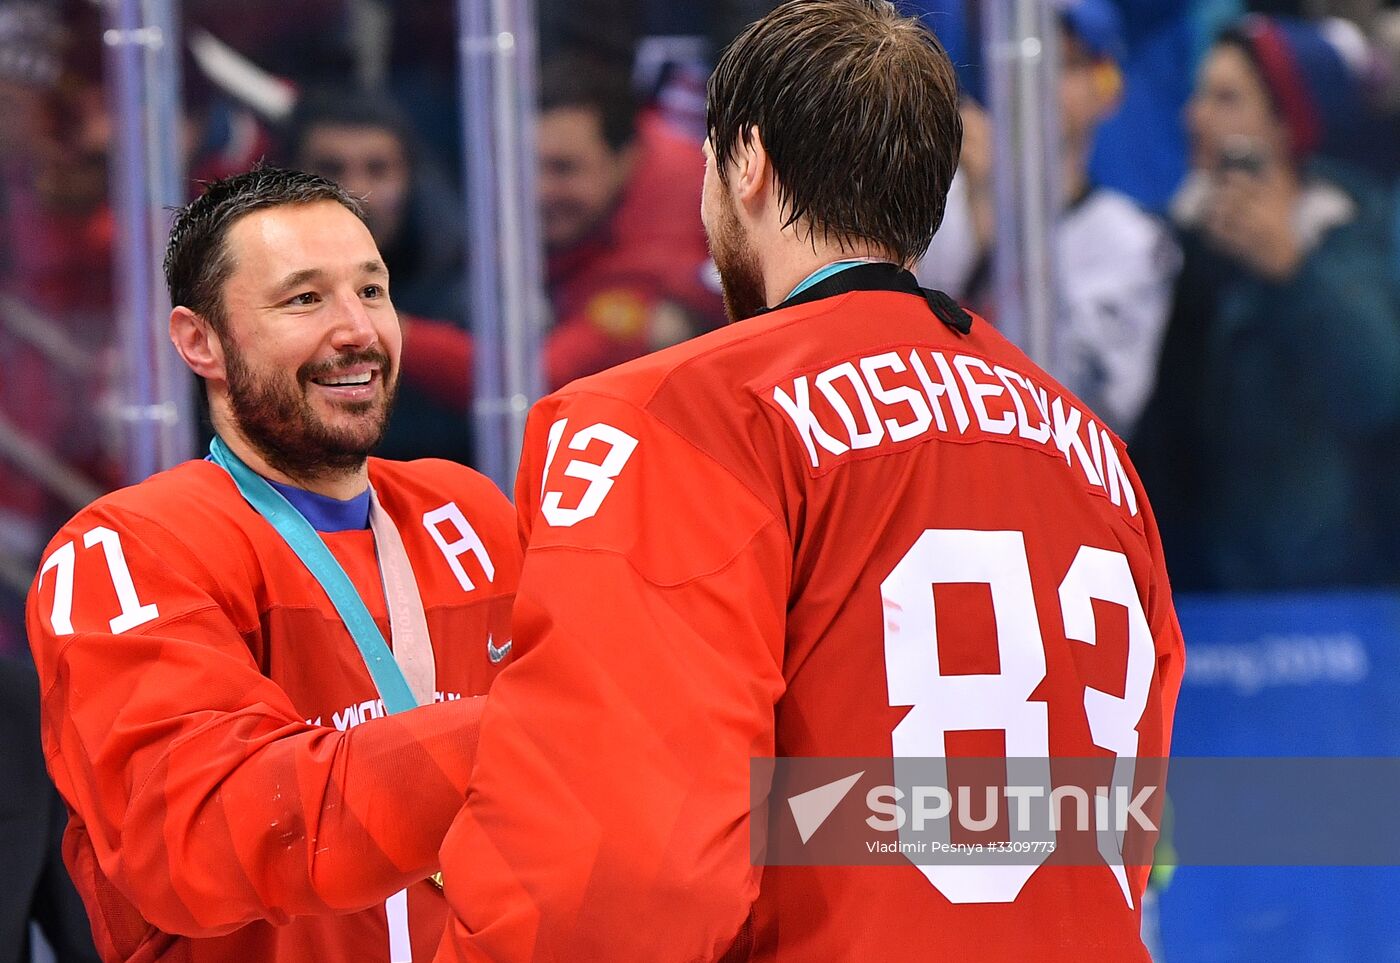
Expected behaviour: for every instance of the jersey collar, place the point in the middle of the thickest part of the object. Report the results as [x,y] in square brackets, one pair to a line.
[880,276]
[827,270]
[327,514]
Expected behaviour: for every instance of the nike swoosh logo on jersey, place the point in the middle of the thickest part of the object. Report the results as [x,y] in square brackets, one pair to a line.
[497,654]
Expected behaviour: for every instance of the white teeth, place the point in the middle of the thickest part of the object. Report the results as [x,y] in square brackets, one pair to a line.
[358,379]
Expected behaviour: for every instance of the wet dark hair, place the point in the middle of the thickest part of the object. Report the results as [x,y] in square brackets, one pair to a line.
[857,107]
[197,259]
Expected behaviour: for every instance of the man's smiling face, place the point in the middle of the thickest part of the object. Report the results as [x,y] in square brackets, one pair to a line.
[311,340]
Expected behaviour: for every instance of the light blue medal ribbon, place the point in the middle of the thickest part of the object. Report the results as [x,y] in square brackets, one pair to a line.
[301,538]
[297,532]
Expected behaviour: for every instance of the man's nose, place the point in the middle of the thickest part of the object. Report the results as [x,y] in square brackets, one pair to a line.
[353,326]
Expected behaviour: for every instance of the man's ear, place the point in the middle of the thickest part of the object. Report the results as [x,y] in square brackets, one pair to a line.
[198,344]
[753,171]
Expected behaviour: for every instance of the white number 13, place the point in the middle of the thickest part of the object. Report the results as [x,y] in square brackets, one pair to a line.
[599,476]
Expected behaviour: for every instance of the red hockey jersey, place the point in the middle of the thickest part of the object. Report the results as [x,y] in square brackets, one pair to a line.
[840,529]
[236,791]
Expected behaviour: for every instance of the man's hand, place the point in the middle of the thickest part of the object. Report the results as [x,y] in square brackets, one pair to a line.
[1250,218]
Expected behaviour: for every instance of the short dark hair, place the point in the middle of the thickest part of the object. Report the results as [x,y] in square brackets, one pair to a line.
[581,81]
[347,107]
[197,259]
[858,110]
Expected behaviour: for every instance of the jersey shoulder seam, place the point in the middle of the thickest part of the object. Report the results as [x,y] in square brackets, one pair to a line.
[698,577]
[73,637]
[671,429]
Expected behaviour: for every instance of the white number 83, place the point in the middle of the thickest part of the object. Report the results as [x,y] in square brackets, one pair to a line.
[943,703]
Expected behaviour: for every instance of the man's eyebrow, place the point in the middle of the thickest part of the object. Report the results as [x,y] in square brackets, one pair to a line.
[297,278]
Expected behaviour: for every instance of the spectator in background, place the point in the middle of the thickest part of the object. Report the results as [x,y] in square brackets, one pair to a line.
[32,817]
[55,281]
[363,141]
[1278,376]
[58,155]
[1116,262]
[628,268]
[1376,146]
[1142,149]
[31,39]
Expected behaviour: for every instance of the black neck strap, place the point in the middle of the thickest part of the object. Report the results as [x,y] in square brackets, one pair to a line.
[883,276]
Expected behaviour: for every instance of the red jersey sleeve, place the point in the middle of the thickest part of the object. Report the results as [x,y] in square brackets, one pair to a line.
[208,800]
[650,635]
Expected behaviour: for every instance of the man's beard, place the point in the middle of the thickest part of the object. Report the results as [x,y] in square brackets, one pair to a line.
[737,262]
[277,419]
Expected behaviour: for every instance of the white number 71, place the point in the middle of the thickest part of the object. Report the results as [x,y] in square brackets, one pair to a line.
[64,559]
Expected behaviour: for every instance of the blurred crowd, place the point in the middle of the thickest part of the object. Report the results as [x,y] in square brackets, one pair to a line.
[1226,249]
